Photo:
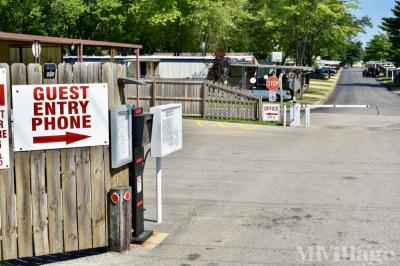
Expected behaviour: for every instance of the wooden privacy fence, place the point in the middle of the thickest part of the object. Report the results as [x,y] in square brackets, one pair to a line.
[199,98]
[55,200]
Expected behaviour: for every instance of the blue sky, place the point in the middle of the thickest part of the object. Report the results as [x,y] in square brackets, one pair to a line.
[376,10]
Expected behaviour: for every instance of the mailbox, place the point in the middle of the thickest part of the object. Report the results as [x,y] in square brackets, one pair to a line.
[49,71]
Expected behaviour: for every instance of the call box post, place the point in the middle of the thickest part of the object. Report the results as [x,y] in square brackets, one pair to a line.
[141,136]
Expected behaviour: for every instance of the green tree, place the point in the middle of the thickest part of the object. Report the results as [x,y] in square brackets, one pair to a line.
[392,26]
[183,25]
[353,52]
[378,48]
[304,29]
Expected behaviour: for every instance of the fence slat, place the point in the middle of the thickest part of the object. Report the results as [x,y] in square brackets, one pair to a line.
[123,172]
[55,206]
[68,174]
[68,179]
[97,178]
[39,203]
[98,196]
[83,177]
[84,198]
[23,183]
[54,194]
[108,76]
[38,183]
[7,197]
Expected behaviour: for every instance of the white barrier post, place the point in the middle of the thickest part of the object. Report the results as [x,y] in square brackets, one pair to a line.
[284,115]
[159,190]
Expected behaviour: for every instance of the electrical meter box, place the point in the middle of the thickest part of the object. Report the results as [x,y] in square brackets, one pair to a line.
[167,129]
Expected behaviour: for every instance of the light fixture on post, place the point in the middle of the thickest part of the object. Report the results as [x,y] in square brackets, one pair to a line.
[36,50]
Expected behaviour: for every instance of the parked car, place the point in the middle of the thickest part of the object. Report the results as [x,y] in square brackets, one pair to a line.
[371,72]
[327,70]
[317,74]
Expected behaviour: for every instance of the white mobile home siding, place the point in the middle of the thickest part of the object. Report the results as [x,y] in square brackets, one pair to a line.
[183,70]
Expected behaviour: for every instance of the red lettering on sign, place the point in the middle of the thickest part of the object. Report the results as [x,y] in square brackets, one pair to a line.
[2,95]
[38,94]
[61,122]
[63,107]
[3,134]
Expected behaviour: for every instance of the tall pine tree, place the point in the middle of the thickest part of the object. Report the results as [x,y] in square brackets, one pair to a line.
[392,27]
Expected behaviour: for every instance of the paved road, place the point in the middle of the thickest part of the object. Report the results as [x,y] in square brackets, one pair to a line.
[353,88]
[253,195]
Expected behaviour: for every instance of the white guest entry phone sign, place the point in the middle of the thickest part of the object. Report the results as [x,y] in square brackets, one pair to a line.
[166,138]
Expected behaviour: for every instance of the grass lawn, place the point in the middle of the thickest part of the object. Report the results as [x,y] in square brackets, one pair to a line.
[319,90]
[388,82]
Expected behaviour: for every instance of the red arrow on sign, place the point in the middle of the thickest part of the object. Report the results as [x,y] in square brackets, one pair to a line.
[68,138]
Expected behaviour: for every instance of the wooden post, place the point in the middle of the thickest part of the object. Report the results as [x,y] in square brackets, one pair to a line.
[120,219]
[204,100]
[137,76]
[154,94]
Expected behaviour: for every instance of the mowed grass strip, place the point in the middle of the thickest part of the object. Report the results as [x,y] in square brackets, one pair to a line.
[395,87]
[319,90]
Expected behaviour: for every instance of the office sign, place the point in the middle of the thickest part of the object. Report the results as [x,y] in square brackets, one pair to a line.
[4,130]
[57,116]
[271,112]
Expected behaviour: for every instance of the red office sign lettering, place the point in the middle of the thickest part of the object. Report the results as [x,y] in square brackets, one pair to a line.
[57,116]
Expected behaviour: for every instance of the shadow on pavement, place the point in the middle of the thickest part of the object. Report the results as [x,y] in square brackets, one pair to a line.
[54,258]
[363,85]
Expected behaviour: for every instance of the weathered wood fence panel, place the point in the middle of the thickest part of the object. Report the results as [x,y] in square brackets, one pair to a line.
[8,201]
[199,98]
[54,194]
[97,174]
[58,203]
[23,182]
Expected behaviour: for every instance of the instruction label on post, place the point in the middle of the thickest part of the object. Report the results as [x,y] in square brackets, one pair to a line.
[167,129]
[121,135]
[271,112]
[4,133]
[60,116]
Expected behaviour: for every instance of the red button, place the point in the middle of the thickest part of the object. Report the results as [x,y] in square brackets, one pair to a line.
[127,196]
[114,198]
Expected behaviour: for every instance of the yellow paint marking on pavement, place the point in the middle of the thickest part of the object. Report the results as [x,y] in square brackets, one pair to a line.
[248,128]
[199,124]
[221,125]
[154,241]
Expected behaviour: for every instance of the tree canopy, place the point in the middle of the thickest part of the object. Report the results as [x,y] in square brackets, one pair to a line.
[378,48]
[302,29]
[392,27]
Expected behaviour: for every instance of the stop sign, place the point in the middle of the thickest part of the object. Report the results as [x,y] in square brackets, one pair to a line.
[273,83]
